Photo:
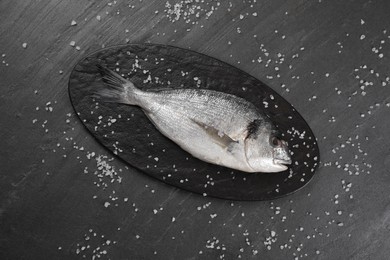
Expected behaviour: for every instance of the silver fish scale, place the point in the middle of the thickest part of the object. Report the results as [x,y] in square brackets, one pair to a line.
[225,112]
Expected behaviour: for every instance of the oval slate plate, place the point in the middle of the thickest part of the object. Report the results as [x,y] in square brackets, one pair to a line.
[127,132]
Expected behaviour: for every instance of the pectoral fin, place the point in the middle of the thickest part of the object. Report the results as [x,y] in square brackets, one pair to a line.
[216,135]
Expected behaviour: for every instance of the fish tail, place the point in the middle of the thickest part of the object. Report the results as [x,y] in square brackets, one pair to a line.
[120,90]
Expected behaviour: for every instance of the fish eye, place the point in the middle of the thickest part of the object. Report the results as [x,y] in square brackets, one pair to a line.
[276,141]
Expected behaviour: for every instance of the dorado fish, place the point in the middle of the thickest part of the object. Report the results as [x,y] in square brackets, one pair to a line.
[212,126]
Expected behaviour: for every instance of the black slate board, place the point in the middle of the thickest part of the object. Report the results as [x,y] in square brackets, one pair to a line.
[127,132]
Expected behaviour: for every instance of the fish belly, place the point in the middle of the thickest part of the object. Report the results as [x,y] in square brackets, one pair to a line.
[193,139]
[174,114]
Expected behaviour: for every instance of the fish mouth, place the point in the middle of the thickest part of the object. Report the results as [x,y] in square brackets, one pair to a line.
[282,162]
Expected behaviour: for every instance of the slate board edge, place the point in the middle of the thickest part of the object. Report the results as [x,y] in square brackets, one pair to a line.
[165,183]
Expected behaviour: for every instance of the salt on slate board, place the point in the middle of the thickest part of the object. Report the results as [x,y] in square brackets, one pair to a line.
[127,132]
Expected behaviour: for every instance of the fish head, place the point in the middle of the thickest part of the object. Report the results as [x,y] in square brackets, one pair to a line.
[265,150]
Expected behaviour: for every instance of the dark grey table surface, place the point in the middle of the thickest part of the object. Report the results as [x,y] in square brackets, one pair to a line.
[63,196]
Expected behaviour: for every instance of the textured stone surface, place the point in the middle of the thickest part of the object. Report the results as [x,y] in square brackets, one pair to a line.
[64,196]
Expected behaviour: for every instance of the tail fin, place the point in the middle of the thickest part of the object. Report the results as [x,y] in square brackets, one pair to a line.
[120,90]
